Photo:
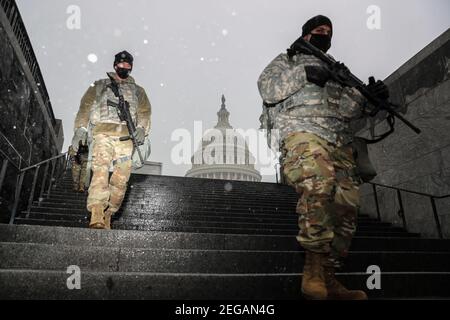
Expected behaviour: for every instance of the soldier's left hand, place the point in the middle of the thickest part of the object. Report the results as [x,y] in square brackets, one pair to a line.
[378,88]
[139,135]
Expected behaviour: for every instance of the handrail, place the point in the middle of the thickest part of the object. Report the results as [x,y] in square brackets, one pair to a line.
[401,212]
[410,191]
[47,179]
[42,162]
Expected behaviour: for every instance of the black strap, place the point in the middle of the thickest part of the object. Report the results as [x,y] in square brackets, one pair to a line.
[391,122]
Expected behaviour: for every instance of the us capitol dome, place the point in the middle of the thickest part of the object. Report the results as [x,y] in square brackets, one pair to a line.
[223,153]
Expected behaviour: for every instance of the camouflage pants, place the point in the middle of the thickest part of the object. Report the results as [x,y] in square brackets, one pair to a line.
[105,191]
[329,200]
[79,174]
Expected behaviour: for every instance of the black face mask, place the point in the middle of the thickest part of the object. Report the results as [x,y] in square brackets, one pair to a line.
[321,41]
[123,73]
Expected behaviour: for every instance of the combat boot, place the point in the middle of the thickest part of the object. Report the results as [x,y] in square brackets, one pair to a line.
[97,218]
[108,216]
[313,281]
[337,291]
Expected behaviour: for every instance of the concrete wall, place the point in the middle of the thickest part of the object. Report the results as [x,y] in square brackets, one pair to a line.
[29,132]
[416,162]
[149,168]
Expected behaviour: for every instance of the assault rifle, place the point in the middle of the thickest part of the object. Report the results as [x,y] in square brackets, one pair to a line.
[344,77]
[123,111]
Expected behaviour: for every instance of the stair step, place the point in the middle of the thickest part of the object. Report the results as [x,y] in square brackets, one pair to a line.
[196,221]
[83,213]
[142,207]
[31,284]
[230,230]
[136,196]
[182,240]
[192,216]
[170,211]
[51,257]
[187,205]
[149,212]
[209,185]
[152,213]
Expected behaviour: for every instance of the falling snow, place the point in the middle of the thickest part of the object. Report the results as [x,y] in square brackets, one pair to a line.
[92,57]
[228,187]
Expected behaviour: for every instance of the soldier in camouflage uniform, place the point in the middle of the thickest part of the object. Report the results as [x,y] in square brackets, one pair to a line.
[311,115]
[100,124]
[79,161]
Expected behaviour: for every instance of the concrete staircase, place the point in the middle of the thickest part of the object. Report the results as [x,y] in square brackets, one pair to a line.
[187,238]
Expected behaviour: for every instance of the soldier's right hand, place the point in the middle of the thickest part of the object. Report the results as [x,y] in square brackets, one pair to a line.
[80,136]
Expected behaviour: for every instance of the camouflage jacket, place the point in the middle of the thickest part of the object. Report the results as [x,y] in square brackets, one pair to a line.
[292,103]
[94,111]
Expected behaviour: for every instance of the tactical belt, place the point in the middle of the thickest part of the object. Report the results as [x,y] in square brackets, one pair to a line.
[121,160]
[111,129]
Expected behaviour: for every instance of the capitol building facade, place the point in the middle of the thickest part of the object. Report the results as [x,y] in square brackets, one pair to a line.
[223,153]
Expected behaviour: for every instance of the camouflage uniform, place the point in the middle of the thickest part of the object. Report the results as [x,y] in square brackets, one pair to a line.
[105,129]
[79,169]
[314,132]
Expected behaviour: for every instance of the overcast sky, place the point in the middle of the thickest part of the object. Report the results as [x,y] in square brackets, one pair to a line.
[188,53]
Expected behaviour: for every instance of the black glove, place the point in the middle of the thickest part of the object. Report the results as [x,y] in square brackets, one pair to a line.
[378,89]
[318,75]
[80,137]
